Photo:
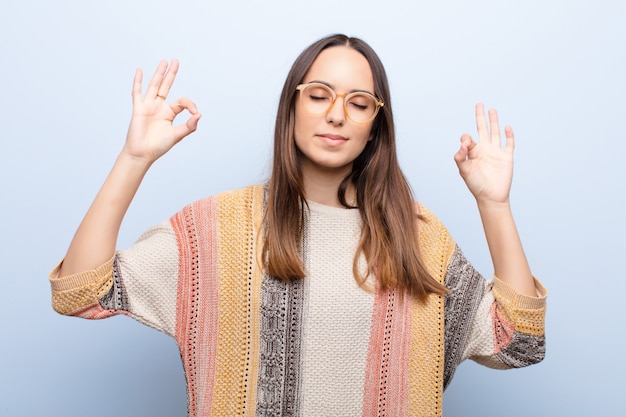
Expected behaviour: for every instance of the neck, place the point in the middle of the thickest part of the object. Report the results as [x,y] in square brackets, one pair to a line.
[322,186]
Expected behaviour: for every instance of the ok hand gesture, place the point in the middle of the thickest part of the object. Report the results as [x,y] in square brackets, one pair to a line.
[486,167]
[152,132]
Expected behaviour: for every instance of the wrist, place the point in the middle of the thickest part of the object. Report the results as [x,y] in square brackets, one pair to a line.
[134,162]
[491,207]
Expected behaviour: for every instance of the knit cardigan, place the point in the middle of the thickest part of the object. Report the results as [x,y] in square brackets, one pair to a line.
[239,331]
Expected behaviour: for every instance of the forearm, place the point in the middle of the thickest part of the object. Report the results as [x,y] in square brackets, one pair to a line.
[95,240]
[507,254]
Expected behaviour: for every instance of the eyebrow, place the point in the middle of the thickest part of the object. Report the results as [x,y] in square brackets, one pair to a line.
[331,86]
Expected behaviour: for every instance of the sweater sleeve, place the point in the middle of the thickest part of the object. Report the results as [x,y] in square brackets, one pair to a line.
[140,282]
[488,322]
[79,294]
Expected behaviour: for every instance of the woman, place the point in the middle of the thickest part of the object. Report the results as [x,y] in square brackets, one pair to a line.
[328,291]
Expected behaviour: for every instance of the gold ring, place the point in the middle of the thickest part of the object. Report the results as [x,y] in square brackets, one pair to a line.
[160,96]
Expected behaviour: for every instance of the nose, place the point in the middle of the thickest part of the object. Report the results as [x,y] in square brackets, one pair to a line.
[336,113]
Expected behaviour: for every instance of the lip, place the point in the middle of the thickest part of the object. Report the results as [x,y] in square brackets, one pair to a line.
[331,139]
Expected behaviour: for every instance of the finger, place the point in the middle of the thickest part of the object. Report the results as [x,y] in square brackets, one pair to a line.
[463,152]
[168,80]
[481,123]
[468,142]
[510,138]
[136,92]
[461,155]
[183,104]
[494,127]
[157,79]
[189,127]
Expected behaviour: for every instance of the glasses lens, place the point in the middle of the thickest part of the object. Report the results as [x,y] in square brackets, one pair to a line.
[317,98]
[361,107]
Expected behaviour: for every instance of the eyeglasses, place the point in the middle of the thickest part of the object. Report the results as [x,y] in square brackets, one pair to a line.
[318,98]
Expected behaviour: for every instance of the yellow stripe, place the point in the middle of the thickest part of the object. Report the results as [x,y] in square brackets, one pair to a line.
[526,313]
[426,357]
[236,368]
[75,292]
[257,278]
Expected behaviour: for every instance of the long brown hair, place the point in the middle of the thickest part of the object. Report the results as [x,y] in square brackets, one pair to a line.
[384,199]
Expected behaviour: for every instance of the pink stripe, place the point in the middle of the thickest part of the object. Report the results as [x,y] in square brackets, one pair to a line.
[388,356]
[206,223]
[95,311]
[196,305]
[184,303]
[374,356]
[502,330]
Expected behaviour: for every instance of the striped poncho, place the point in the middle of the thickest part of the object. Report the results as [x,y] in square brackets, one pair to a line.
[321,346]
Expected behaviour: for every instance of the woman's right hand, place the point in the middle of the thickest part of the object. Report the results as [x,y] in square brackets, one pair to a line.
[150,135]
[152,132]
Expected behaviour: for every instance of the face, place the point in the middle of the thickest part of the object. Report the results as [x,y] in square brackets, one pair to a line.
[330,142]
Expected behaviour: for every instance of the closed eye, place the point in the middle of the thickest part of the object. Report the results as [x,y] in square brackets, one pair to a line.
[359,106]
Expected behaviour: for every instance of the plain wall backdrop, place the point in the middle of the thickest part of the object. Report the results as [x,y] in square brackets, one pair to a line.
[554,69]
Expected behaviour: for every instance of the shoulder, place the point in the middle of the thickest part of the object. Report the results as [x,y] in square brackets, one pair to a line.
[427,221]
[244,196]
[435,242]
[227,207]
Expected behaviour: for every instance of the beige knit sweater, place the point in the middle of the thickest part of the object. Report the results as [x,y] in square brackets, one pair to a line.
[321,346]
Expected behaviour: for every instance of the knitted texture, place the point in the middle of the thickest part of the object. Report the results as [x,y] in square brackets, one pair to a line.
[237,350]
[526,314]
[427,333]
[153,257]
[388,355]
[197,295]
[79,294]
[255,345]
[337,315]
[281,329]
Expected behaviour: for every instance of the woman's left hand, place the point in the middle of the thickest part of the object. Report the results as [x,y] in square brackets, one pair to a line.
[487,167]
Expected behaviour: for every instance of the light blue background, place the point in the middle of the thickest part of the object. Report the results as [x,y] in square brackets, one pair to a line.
[555,70]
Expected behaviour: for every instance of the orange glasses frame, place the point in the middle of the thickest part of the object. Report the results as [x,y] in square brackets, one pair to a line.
[346,97]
